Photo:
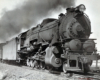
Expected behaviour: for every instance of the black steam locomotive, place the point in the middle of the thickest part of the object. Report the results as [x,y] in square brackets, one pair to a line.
[60,43]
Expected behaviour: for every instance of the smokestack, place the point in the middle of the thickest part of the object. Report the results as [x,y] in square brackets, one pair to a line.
[12,22]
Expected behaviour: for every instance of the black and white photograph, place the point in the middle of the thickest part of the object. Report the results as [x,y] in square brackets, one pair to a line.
[49,39]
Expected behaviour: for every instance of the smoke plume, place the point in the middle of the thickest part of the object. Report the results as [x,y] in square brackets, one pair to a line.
[12,22]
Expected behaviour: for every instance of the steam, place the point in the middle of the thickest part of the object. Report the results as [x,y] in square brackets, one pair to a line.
[30,13]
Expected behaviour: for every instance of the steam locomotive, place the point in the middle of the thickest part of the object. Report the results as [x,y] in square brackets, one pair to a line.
[60,43]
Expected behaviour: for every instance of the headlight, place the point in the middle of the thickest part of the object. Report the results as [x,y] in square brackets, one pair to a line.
[82,8]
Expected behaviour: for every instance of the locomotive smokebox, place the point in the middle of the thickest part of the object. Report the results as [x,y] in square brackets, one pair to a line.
[76,29]
[89,46]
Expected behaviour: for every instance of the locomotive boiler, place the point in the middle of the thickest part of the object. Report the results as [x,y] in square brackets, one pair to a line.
[60,43]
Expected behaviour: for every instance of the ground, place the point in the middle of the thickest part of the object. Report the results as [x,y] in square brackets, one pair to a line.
[11,72]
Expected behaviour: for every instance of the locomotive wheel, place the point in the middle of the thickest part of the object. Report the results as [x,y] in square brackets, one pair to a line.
[32,63]
[86,68]
[27,62]
[50,68]
[42,65]
[36,64]
[64,67]
[91,62]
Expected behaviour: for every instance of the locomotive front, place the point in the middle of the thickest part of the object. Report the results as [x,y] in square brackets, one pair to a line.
[75,31]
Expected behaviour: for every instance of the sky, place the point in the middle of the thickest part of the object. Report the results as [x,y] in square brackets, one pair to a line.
[9,5]
[92,10]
